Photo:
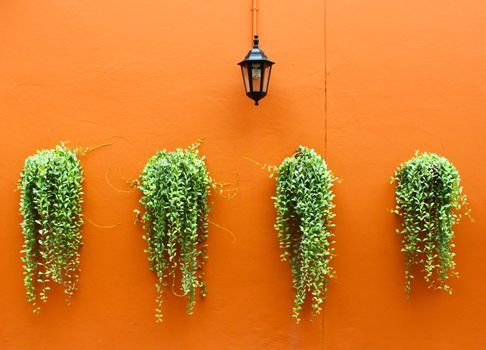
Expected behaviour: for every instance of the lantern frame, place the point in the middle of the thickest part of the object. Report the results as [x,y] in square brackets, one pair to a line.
[256,63]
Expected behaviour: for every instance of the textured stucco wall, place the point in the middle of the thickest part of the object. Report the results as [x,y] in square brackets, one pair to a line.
[146,75]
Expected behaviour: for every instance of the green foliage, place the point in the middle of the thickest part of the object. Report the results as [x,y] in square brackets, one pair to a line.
[175,186]
[304,204]
[429,199]
[51,204]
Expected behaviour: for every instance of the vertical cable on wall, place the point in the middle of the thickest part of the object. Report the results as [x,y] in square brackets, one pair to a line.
[325,79]
[254,11]
[325,141]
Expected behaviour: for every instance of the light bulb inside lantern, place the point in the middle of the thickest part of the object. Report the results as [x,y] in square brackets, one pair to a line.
[256,72]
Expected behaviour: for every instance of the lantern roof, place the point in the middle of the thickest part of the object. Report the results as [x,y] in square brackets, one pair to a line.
[256,54]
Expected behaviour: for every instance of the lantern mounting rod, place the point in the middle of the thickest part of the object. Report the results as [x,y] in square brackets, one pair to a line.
[254,11]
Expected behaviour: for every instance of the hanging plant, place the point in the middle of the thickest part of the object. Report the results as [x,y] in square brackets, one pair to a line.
[51,204]
[175,187]
[304,204]
[429,201]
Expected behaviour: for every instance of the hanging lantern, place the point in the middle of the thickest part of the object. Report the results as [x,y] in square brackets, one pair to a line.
[256,69]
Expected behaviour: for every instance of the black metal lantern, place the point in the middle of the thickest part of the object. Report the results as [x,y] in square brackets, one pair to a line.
[256,69]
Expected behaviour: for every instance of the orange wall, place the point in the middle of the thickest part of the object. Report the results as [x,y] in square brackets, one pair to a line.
[146,75]
[404,75]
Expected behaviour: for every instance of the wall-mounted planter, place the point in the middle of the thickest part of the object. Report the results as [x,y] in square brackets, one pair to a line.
[429,201]
[175,186]
[304,204]
[51,204]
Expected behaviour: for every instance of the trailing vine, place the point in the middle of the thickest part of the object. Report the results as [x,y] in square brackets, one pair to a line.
[51,204]
[304,204]
[429,200]
[175,186]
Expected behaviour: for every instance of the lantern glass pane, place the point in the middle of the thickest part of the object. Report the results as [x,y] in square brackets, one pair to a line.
[256,76]
[266,76]
[244,71]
